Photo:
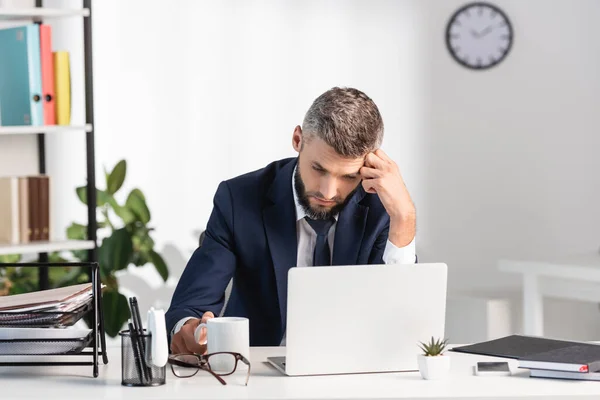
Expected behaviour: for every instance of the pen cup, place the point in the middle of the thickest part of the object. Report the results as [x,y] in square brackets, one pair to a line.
[135,368]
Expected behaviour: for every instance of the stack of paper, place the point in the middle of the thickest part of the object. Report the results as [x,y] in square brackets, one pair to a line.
[26,321]
[46,308]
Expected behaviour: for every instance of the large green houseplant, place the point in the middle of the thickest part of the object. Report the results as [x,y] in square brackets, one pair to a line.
[124,232]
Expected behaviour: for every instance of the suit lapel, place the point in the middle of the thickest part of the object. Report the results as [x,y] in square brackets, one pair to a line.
[279,218]
[350,230]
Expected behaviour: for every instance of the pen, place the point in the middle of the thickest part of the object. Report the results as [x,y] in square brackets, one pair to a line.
[137,323]
[136,353]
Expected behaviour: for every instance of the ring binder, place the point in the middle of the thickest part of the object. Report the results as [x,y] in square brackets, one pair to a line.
[64,346]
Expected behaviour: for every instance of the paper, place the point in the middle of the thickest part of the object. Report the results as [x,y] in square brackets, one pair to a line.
[45,298]
[47,308]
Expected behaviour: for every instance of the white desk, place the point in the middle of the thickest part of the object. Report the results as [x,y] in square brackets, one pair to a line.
[267,383]
[574,277]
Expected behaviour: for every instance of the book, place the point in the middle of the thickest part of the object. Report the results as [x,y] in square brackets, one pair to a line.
[44,207]
[62,87]
[24,227]
[47,62]
[34,208]
[20,76]
[25,209]
[10,230]
[544,373]
[576,358]
[516,346]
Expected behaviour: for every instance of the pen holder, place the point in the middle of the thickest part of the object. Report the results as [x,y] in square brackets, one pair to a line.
[136,370]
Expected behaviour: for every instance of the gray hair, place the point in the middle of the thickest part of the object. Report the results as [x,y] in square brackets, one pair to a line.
[347,120]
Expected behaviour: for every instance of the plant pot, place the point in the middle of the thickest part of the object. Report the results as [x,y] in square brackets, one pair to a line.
[434,367]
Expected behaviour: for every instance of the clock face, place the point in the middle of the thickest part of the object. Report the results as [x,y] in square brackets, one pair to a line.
[479,35]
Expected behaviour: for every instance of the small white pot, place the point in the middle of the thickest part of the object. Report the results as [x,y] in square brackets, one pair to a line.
[434,367]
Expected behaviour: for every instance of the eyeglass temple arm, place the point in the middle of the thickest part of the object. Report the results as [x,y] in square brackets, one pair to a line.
[213,374]
[245,361]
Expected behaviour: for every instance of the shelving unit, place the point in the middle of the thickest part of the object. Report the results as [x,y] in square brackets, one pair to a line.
[97,342]
[46,247]
[31,130]
[40,14]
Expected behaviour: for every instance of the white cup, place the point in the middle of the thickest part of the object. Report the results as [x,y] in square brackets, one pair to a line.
[225,334]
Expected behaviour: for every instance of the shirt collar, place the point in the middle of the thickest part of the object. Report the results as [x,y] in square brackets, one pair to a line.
[300,214]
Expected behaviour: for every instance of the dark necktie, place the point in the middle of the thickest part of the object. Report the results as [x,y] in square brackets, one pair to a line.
[322,254]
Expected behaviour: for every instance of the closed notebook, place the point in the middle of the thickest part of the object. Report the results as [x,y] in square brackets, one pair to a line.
[583,358]
[515,346]
[62,87]
[20,76]
[546,373]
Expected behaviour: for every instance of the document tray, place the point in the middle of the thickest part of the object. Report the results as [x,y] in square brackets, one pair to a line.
[62,346]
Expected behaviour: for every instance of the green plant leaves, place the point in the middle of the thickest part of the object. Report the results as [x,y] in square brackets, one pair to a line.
[67,276]
[101,196]
[136,202]
[10,258]
[115,252]
[434,347]
[122,212]
[128,242]
[117,177]
[116,311]
[22,280]
[77,231]
[159,264]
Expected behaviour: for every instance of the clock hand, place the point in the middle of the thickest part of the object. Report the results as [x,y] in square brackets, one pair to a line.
[485,31]
[474,33]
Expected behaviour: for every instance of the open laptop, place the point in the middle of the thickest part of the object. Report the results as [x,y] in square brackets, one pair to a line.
[361,318]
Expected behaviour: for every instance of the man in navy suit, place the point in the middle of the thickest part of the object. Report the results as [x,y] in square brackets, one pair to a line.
[342,201]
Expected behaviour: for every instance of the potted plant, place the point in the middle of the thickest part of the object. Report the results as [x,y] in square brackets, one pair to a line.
[124,235]
[433,363]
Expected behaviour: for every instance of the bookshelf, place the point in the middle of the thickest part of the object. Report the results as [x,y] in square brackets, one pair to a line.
[40,14]
[46,247]
[31,130]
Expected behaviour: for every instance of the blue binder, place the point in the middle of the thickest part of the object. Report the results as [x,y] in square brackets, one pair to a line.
[21,100]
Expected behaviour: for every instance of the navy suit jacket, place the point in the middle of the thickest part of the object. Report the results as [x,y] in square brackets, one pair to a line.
[251,237]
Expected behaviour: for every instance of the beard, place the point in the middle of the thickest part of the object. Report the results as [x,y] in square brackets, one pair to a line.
[318,212]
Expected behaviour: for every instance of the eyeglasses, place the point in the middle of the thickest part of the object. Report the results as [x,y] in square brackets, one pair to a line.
[217,364]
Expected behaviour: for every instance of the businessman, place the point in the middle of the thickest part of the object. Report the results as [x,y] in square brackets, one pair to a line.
[342,201]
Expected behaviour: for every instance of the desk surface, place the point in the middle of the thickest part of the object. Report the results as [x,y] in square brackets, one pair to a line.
[266,383]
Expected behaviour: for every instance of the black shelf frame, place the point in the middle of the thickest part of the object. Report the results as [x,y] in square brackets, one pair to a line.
[43,277]
[98,341]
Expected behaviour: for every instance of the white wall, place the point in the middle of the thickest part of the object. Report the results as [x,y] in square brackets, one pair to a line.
[512,153]
[199,92]
[500,162]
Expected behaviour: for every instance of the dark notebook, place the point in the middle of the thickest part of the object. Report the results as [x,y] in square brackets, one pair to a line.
[517,346]
[576,358]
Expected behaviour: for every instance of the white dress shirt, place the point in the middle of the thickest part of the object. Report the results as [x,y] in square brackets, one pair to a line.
[307,239]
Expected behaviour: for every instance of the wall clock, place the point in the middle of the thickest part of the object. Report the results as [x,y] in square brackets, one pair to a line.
[479,35]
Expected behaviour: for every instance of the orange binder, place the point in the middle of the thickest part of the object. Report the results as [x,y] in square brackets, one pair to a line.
[47,61]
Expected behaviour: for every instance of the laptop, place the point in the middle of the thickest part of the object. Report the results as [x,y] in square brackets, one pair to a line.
[361,318]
